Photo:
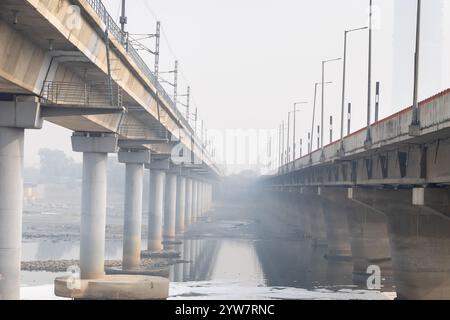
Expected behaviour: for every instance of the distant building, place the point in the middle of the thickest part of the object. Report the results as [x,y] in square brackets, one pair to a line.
[31,192]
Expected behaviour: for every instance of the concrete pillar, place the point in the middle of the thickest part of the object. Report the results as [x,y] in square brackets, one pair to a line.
[11,198]
[419,239]
[170,208]
[369,241]
[312,205]
[335,213]
[181,204]
[202,199]
[93,215]
[188,206]
[15,116]
[210,197]
[134,185]
[199,200]
[95,148]
[194,201]
[205,198]
[156,210]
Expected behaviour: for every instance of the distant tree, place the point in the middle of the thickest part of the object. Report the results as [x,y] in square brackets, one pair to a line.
[55,165]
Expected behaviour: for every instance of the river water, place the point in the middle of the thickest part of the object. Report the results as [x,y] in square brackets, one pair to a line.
[227,255]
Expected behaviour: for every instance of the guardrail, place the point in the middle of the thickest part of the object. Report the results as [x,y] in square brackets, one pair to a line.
[115,31]
[82,94]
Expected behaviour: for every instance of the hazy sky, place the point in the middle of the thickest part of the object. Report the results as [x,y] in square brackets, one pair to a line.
[248,61]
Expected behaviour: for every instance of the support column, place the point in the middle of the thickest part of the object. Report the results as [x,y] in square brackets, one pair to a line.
[188,212]
[156,210]
[199,200]
[11,198]
[335,212]
[205,198]
[369,241]
[134,180]
[15,116]
[202,199]
[95,148]
[419,234]
[170,209]
[181,204]
[312,204]
[194,201]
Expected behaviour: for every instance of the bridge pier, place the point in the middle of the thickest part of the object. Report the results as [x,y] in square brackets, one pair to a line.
[314,210]
[194,201]
[419,233]
[15,117]
[335,213]
[188,205]
[158,170]
[11,194]
[200,200]
[93,283]
[369,240]
[134,178]
[181,204]
[95,149]
[170,208]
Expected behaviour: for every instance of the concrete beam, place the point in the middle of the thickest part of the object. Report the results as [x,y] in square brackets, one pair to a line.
[98,143]
[22,113]
[160,164]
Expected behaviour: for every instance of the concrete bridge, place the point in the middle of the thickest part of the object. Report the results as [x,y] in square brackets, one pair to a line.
[383,203]
[77,71]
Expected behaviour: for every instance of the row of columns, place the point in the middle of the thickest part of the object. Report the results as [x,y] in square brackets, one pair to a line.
[404,232]
[171,192]
[176,199]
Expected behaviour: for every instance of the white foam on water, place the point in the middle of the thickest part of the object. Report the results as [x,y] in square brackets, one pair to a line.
[216,290]
[44,292]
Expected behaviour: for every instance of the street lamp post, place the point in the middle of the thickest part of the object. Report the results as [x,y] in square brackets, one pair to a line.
[346,32]
[322,157]
[368,142]
[288,153]
[414,129]
[294,127]
[313,115]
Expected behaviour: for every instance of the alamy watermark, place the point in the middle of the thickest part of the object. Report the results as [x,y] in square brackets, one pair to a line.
[374,280]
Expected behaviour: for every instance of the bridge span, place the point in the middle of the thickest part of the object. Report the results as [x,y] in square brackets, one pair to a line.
[68,63]
[382,203]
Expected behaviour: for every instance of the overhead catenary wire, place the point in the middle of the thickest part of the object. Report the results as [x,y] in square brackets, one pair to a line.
[137,41]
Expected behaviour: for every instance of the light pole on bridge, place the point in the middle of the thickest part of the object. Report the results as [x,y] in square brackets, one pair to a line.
[368,142]
[414,128]
[314,113]
[346,32]
[294,137]
[322,157]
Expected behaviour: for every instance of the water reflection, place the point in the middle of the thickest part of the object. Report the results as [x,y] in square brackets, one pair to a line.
[270,263]
[64,250]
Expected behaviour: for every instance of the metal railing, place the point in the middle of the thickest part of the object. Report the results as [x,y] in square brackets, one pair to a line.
[82,94]
[116,32]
